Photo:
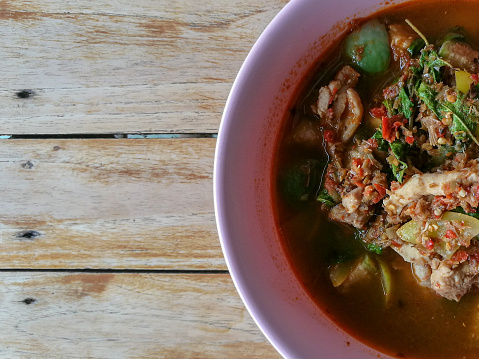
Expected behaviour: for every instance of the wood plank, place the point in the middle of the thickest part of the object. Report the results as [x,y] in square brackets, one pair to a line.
[78,315]
[123,67]
[108,203]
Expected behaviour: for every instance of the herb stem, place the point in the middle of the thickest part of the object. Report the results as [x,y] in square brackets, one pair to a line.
[417,31]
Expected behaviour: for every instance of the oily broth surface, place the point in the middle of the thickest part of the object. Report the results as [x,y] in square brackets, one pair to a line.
[416,323]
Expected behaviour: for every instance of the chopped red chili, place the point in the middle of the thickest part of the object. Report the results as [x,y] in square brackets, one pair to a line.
[475,78]
[329,136]
[460,256]
[378,112]
[410,139]
[380,188]
[333,95]
[430,244]
[450,234]
[396,244]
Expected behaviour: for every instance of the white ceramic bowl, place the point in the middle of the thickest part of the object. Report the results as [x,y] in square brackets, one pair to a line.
[251,122]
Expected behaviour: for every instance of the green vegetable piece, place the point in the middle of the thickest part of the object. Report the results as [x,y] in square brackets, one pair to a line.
[416,46]
[461,210]
[456,33]
[369,264]
[352,271]
[464,121]
[325,198]
[299,182]
[406,104]
[399,150]
[389,104]
[339,272]
[368,47]
[386,279]
[372,247]
[411,231]
[428,97]
[431,63]
[383,145]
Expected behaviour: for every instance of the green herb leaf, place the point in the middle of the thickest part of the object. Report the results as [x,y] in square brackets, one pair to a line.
[428,97]
[389,104]
[432,63]
[383,145]
[372,247]
[406,104]
[399,150]
[416,46]
[325,198]
[299,181]
[464,119]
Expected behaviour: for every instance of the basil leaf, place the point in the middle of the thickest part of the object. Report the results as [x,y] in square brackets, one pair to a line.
[463,118]
[383,145]
[399,150]
[406,104]
[372,247]
[416,46]
[389,104]
[325,198]
[431,62]
[428,97]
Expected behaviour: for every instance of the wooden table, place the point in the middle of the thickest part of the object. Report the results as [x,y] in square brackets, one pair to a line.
[109,243]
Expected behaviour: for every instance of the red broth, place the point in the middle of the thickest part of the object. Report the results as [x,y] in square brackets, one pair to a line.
[414,322]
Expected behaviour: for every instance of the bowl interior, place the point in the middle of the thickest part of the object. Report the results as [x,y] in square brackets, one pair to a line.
[251,123]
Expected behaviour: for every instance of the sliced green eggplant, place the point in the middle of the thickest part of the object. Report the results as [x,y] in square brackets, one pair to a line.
[369,48]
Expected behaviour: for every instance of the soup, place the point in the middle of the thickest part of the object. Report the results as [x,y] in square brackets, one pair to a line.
[377,181]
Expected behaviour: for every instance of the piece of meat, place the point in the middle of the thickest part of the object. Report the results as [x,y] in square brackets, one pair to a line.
[434,184]
[453,283]
[434,127]
[348,77]
[401,38]
[411,254]
[324,100]
[307,132]
[358,218]
[352,200]
[351,118]
[423,274]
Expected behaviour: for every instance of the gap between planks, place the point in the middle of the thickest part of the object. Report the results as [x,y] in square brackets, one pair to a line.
[116,271]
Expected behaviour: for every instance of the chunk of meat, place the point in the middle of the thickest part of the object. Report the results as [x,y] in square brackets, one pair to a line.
[434,128]
[434,184]
[339,105]
[357,218]
[352,200]
[453,283]
[307,132]
[400,38]
[423,274]
[324,100]
[411,254]
[348,77]
[351,119]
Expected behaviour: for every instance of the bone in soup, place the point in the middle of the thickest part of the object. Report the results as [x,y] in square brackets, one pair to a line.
[377,181]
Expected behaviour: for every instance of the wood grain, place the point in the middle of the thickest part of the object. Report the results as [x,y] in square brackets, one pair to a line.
[84,315]
[123,67]
[118,207]
[114,203]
